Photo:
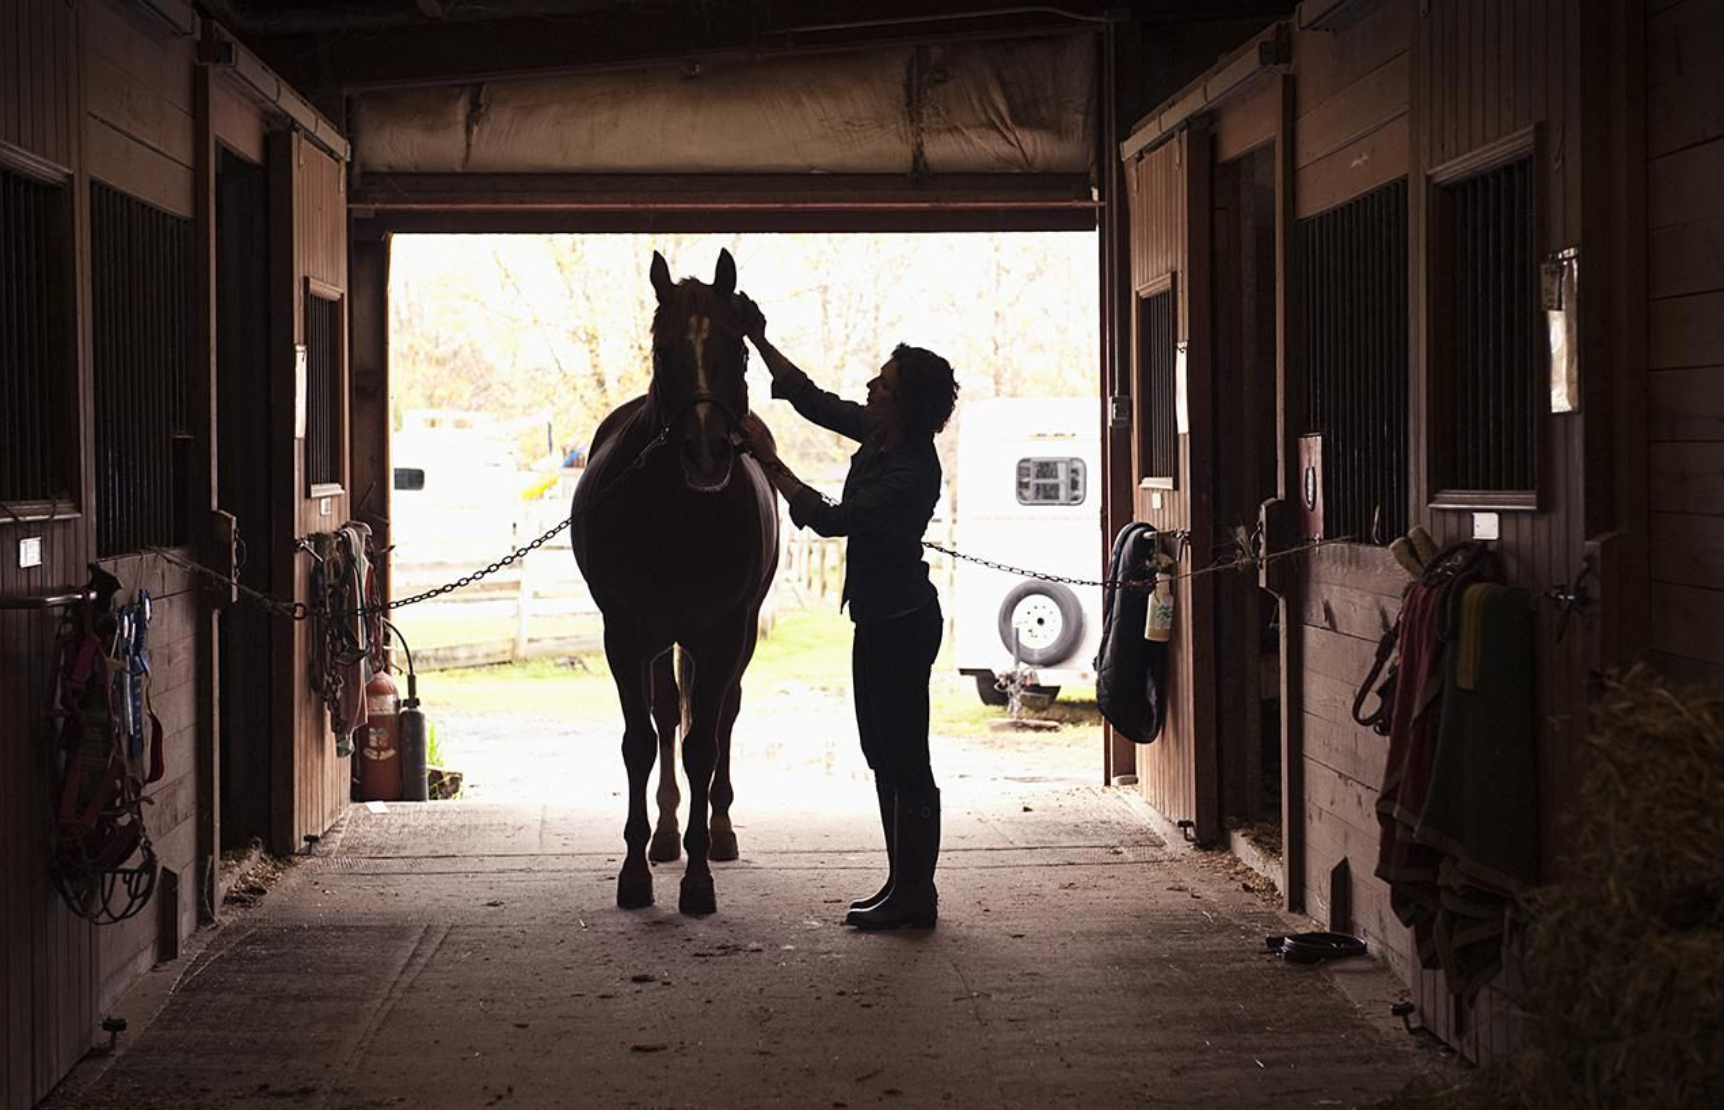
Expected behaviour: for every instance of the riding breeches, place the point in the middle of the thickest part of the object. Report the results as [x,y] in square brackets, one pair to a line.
[891,662]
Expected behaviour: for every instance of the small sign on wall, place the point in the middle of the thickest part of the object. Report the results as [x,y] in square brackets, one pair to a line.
[299,390]
[1559,281]
[1181,409]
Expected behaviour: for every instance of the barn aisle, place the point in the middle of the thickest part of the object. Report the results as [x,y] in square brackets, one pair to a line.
[470,955]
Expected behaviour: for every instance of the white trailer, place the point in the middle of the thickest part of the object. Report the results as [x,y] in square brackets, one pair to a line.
[1028,494]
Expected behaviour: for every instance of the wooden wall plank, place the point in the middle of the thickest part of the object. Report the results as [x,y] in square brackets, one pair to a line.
[1326,62]
[1688,477]
[1686,111]
[1353,170]
[147,174]
[1688,549]
[1686,331]
[1361,108]
[1686,620]
[1686,404]
[1355,613]
[1683,187]
[137,110]
[238,122]
[1686,258]
[158,63]
[1248,122]
[1682,39]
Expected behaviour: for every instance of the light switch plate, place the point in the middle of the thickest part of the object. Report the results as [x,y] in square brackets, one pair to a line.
[30,552]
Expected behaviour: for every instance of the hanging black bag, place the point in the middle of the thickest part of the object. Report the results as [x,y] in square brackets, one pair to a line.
[1131,672]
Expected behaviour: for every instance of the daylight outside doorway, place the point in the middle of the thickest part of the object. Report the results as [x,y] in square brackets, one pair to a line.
[505,353]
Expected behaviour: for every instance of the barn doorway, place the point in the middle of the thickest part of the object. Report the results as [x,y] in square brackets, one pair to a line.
[505,352]
[1247,642]
[246,676]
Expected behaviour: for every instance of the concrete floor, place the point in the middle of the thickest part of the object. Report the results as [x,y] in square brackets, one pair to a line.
[470,954]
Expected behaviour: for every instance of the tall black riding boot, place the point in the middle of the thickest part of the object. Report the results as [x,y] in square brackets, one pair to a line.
[913,902]
[888,820]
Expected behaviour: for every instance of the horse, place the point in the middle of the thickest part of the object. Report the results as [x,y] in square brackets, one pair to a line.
[676,532]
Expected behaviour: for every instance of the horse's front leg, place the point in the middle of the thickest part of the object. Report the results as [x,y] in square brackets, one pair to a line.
[717,659]
[723,832]
[723,794]
[667,715]
[631,669]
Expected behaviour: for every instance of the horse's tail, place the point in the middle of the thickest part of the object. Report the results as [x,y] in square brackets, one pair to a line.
[685,686]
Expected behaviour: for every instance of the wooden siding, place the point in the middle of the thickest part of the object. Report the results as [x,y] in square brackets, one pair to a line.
[1167,186]
[48,962]
[38,83]
[49,969]
[1350,91]
[102,95]
[1685,337]
[1411,89]
[310,243]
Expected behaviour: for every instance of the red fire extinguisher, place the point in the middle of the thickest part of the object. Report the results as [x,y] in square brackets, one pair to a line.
[377,743]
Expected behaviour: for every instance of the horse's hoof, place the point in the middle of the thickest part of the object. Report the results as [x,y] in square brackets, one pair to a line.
[723,847]
[666,847]
[698,897]
[634,893]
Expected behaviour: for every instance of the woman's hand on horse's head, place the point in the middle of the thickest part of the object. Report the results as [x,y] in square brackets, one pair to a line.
[748,314]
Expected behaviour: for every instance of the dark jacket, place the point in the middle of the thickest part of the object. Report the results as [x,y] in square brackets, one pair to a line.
[889,498]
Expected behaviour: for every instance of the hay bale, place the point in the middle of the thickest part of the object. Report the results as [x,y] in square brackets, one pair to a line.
[1625,954]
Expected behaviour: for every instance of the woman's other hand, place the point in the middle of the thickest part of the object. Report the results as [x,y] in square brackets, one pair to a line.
[760,441]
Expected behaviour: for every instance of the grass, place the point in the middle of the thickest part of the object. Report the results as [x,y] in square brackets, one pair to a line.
[807,648]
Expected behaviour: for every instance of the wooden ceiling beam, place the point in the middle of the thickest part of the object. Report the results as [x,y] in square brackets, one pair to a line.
[451,51]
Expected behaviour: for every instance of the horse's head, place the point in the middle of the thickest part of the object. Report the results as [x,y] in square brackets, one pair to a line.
[698,383]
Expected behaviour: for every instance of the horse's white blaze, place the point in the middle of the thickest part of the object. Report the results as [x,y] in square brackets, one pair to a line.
[698,329]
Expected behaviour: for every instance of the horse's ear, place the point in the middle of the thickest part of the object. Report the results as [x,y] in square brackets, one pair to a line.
[724,281]
[661,275]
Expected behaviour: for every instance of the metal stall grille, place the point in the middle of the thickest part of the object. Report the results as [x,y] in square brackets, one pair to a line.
[141,351]
[323,384]
[35,377]
[1352,261]
[1493,317]
[1156,365]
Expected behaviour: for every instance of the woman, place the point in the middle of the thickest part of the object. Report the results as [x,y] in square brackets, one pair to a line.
[889,497]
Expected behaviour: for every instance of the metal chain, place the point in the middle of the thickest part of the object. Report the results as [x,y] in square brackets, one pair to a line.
[1134,584]
[292,610]
[468,579]
[299,610]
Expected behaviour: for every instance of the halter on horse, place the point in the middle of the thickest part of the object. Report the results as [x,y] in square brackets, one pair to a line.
[681,556]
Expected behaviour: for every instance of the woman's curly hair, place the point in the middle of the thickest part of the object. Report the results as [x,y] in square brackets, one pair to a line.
[928,390]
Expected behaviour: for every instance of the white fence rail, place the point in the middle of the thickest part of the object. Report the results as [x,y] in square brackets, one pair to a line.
[540,607]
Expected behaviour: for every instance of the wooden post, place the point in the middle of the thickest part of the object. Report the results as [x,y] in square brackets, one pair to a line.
[523,610]
[203,500]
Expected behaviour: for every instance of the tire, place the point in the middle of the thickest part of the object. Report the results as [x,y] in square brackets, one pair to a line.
[1053,620]
[987,688]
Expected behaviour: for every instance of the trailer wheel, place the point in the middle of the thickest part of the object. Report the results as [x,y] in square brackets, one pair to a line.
[1050,619]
